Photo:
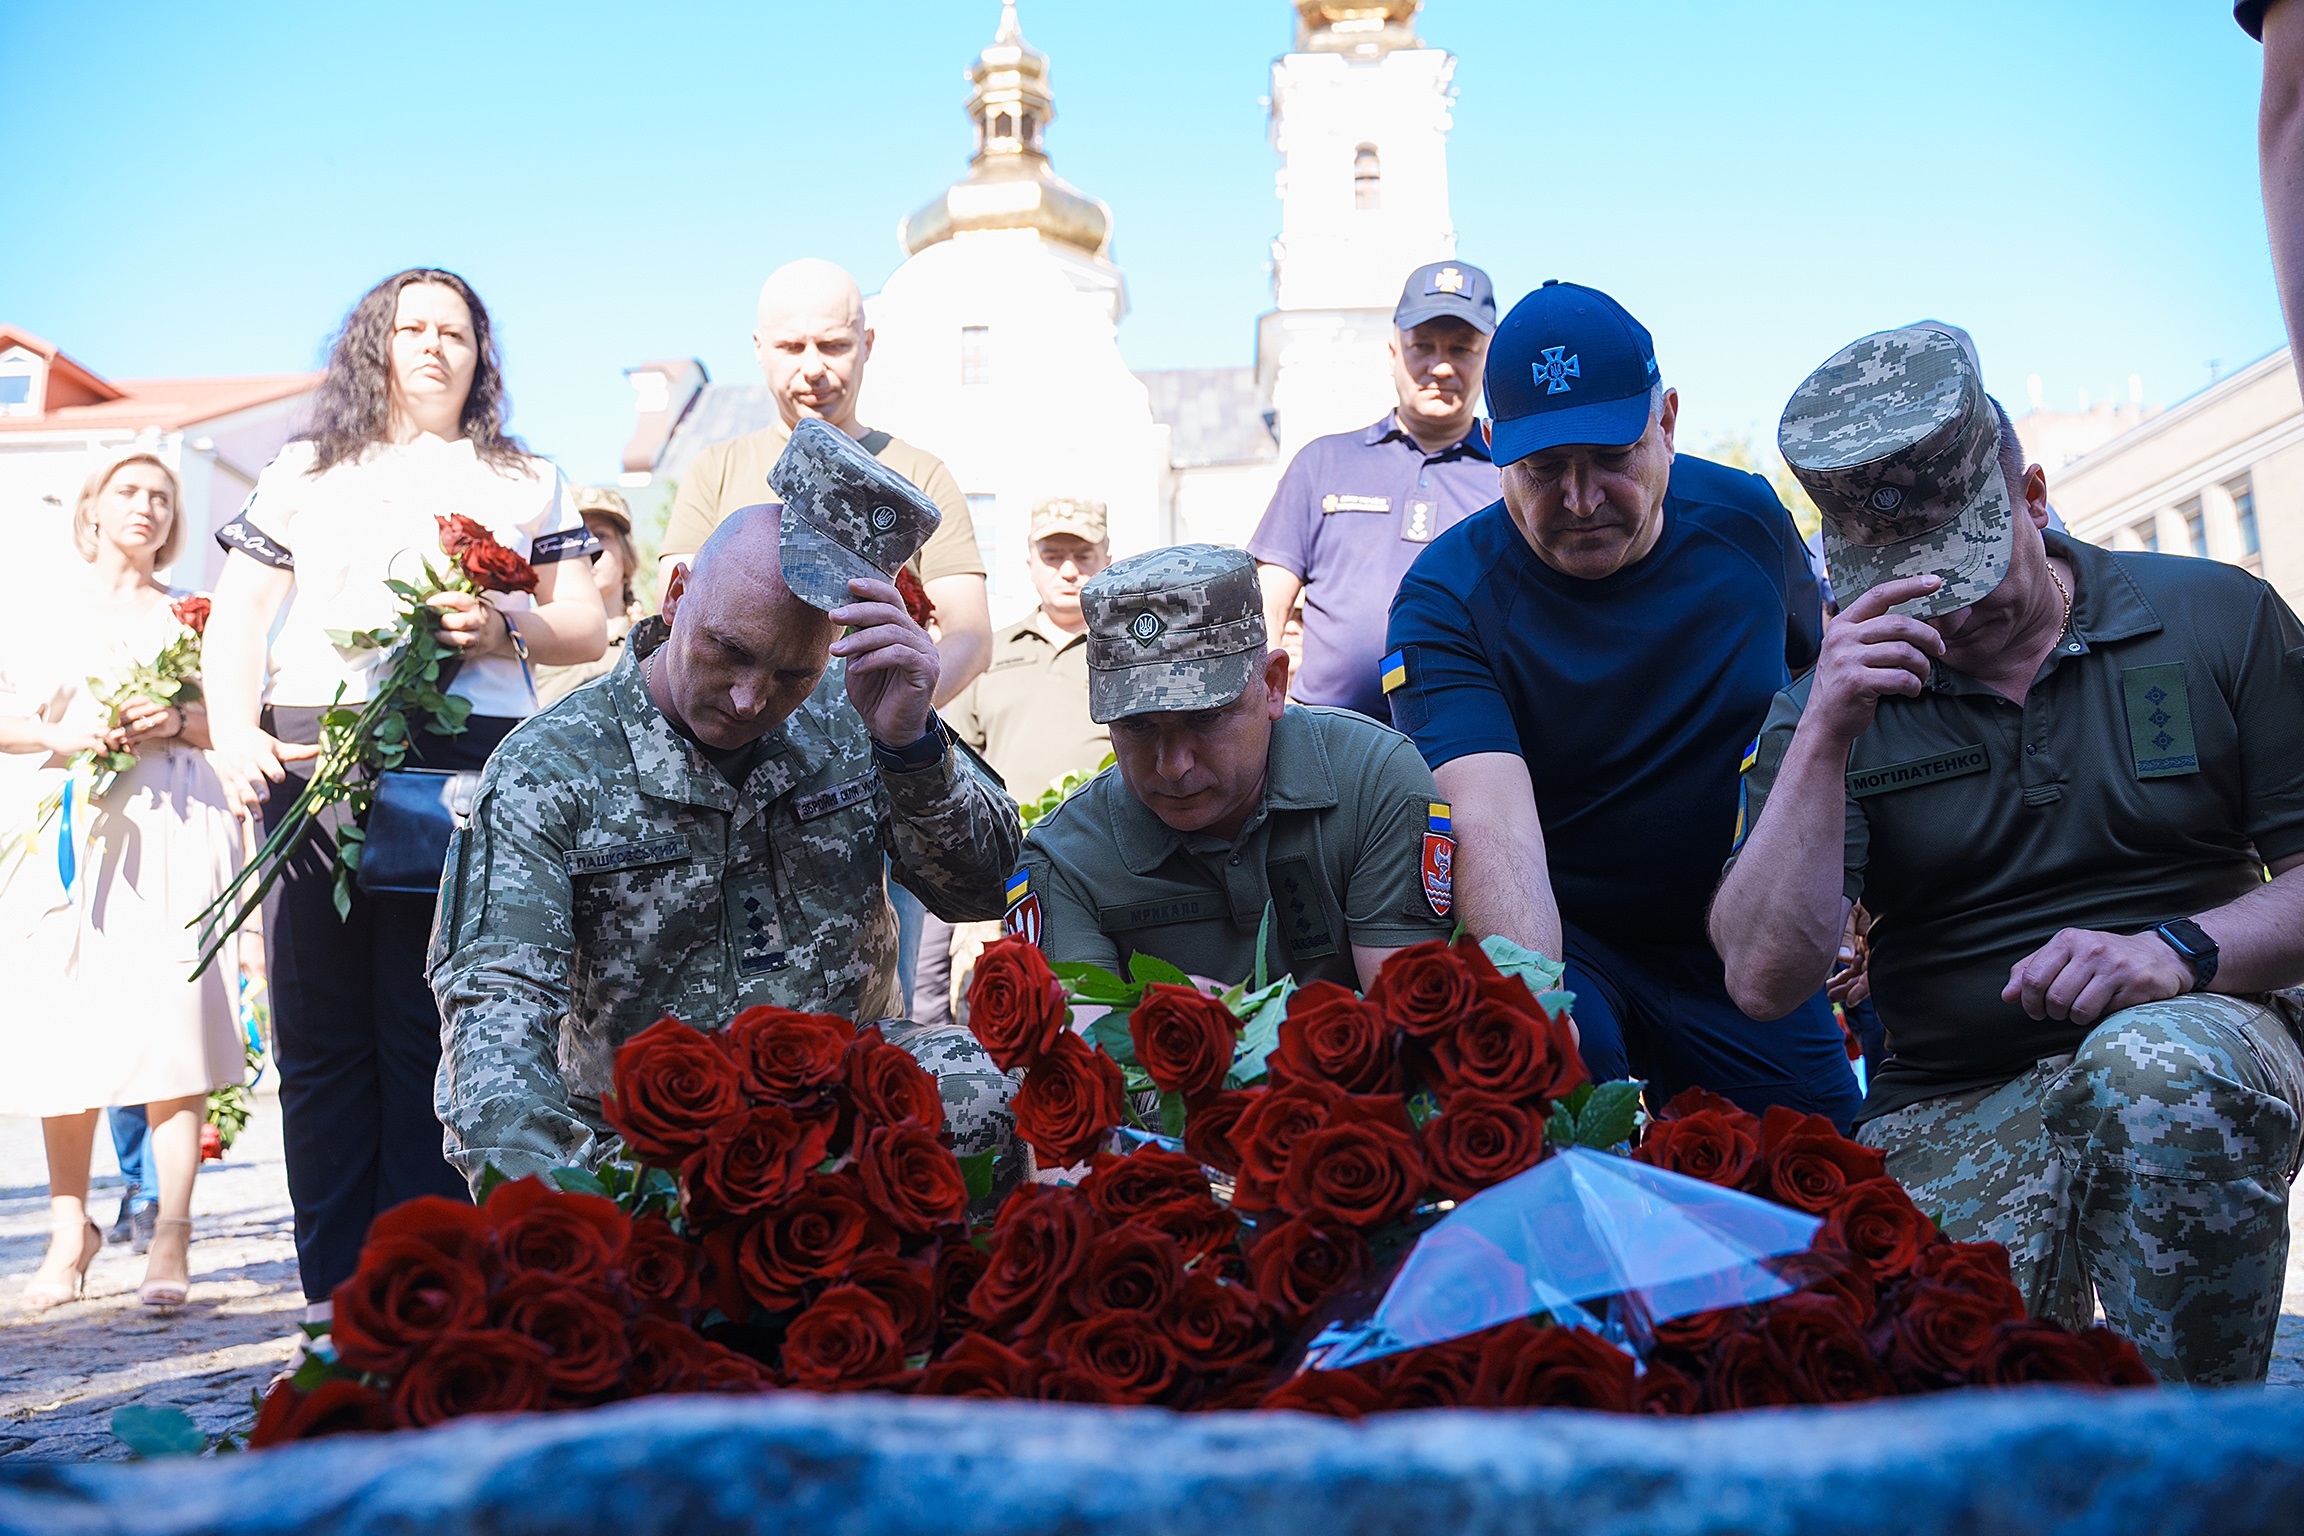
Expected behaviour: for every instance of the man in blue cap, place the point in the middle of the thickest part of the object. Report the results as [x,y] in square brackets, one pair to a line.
[1355,509]
[1583,664]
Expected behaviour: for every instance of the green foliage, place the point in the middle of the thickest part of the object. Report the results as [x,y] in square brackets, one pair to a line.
[976,1168]
[578,1181]
[1601,1116]
[1260,1013]
[1171,1114]
[1738,452]
[1111,1036]
[1148,970]
[1040,805]
[150,1433]
[1537,973]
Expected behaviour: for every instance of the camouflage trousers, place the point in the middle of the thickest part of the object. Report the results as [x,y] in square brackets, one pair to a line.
[2149,1171]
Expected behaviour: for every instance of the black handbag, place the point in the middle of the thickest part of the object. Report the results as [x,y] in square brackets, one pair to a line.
[415,813]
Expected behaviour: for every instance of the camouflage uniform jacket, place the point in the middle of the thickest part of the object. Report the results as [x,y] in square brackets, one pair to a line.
[611,874]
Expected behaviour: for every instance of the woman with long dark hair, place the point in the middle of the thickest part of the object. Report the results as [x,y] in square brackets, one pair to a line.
[408,425]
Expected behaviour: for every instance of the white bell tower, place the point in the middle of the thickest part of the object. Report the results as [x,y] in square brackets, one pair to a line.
[1360,116]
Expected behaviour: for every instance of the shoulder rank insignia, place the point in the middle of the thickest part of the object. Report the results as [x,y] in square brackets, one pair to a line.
[1023,919]
[1439,859]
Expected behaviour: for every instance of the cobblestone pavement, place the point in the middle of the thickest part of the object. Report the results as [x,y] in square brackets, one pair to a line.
[64,1372]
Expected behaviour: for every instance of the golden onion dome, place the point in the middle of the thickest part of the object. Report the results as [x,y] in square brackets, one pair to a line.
[1010,184]
[1356,26]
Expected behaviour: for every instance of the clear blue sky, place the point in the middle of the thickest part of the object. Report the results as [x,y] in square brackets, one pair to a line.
[205,189]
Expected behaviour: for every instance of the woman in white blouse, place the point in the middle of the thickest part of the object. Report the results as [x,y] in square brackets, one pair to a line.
[408,425]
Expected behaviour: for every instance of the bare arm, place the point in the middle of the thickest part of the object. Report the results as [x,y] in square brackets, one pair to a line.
[963,631]
[560,631]
[1282,587]
[1502,882]
[232,651]
[2280,146]
[2260,937]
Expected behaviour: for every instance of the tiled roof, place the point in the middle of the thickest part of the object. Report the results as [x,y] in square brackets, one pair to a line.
[169,404]
[1215,413]
[721,411]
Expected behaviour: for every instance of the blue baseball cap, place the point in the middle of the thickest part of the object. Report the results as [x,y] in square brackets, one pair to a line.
[1455,290]
[1569,365]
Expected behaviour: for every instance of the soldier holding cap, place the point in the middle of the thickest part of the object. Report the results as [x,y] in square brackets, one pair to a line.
[1228,802]
[1355,509]
[1582,665]
[709,828]
[2069,785]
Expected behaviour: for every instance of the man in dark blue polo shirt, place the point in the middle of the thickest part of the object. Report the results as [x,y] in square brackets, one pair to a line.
[1582,664]
[1356,508]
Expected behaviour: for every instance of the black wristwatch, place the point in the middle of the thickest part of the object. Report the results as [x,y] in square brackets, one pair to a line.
[924,753]
[2199,951]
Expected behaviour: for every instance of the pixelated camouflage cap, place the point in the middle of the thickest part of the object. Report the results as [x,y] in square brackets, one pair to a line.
[1068,514]
[1899,445]
[846,515]
[1178,628]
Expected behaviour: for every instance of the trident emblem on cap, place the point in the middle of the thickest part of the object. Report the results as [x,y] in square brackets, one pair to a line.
[1145,627]
[1554,373]
[883,518]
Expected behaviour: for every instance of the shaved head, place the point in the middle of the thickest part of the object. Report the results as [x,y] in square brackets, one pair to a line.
[811,287]
[812,343]
[745,651]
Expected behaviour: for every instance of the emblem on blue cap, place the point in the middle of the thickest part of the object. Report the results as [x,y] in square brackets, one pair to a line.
[1447,280]
[1887,499]
[1554,372]
[883,518]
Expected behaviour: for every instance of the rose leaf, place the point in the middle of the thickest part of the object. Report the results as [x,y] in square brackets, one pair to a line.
[577,1181]
[1146,969]
[1610,1116]
[976,1168]
[154,1432]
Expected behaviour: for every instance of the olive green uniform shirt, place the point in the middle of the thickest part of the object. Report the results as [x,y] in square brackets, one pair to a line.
[1336,847]
[610,875]
[1028,711]
[2154,769]
[725,476]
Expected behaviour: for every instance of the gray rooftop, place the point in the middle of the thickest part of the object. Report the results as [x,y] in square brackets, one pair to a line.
[1216,414]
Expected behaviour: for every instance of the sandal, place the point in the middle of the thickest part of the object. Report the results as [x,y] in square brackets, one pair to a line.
[41,1293]
[168,1293]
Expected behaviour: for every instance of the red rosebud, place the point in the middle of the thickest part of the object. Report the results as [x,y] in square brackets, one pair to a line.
[888,1087]
[1208,1127]
[750,1161]
[1703,1145]
[335,1407]
[907,1288]
[1217,1326]
[480,1370]
[1425,989]
[1121,1187]
[1039,1244]
[1513,1050]
[1124,1356]
[1184,1040]
[1480,1140]
[1527,1365]
[1332,1394]
[810,1237]
[1069,1103]
[669,1087]
[847,1339]
[1335,1036]
[1016,1006]
[1877,1221]
[786,1057]
[459,533]
[1266,1134]
[547,1231]
[1435,1376]
[976,1366]
[1301,1261]
[1363,1166]
[1810,1164]
[916,604]
[192,612]
[1132,1268]
[583,1333]
[671,1357]
[659,1270]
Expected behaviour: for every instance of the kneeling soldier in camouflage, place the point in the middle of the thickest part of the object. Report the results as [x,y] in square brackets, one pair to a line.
[708,828]
[1228,802]
[2069,785]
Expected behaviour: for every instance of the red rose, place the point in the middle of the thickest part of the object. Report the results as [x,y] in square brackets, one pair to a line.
[491,566]
[888,1087]
[751,1160]
[1666,1393]
[1692,1338]
[670,1086]
[813,1236]
[542,1230]
[1435,1376]
[1704,1145]
[2035,1349]
[1216,1326]
[1823,1354]
[848,1339]
[1744,1372]
[907,1287]
[1337,1037]
[459,533]
[1980,1269]
[1810,1164]
[979,1367]
[1200,1226]
[914,591]
[1267,1133]
[1183,1039]
[1877,1221]
[1333,1394]
[1303,1260]
[584,1334]
[403,1299]
[192,612]
[670,1357]
[1528,1365]
[1363,1166]
[1121,1187]
[1039,1243]
[1132,1268]
[958,1267]
[1480,1140]
[1062,1384]
[912,1178]
[335,1407]
[1016,1006]
[785,1057]
[1069,1103]
[1515,1052]
[1841,1278]
[1424,989]
[1693,1101]
[454,1229]
[480,1370]
[1208,1127]
[659,1270]
[1126,1356]
[1932,1336]
[2122,1363]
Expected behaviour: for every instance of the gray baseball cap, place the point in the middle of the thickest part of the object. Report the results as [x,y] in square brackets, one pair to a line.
[1899,446]
[847,516]
[1178,628]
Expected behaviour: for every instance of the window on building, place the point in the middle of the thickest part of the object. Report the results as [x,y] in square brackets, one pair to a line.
[2195,526]
[1031,129]
[1003,126]
[15,388]
[2148,534]
[2243,493]
[1367,178]
[975,354]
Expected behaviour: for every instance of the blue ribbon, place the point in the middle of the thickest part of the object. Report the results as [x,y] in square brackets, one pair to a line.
[67,859]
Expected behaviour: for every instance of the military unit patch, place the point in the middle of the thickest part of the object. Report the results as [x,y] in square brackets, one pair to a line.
[1023,918]
[1440,858]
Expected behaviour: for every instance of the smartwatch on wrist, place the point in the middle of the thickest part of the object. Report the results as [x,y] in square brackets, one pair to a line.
[924,753]
[2199,951]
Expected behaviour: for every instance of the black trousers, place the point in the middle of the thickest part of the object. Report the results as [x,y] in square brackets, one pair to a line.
[356,1033]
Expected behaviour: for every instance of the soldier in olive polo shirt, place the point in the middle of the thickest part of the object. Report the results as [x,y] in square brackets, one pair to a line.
[1227,800]
[2069,786]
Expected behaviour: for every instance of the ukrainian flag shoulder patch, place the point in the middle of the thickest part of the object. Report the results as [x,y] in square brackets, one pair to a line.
[1393,670]
[1751,756]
